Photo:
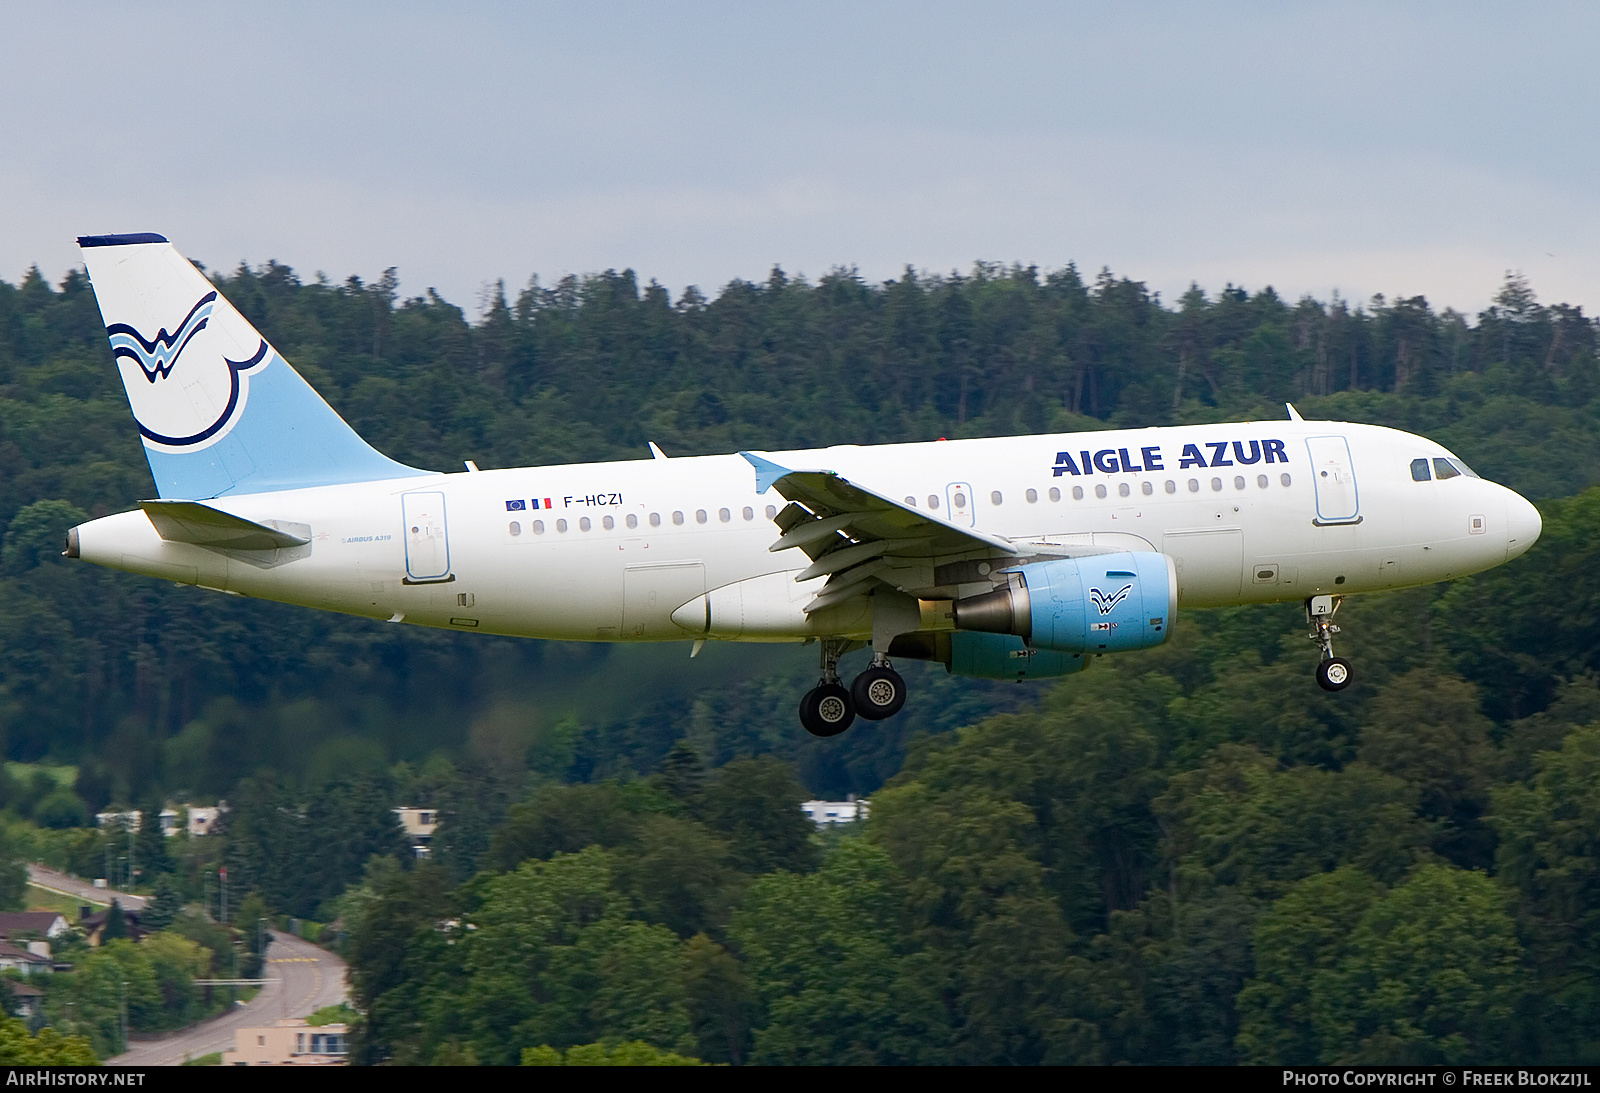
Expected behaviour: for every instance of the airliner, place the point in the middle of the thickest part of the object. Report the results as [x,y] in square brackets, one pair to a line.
[1004,558]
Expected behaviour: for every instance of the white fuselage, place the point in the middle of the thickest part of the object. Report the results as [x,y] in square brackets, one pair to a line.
[608,551]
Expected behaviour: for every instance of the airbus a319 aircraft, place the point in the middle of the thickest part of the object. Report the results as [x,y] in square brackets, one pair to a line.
[1006,558]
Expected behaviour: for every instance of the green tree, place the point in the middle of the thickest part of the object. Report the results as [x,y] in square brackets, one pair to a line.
[1549,856]
[825,955]
[164,907]
[754,804]
[1300,939]
[1430,975]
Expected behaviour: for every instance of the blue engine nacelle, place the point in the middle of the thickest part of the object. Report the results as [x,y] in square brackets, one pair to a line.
[1103,603]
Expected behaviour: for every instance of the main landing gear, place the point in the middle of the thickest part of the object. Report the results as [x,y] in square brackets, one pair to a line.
[828,709]
[1333,673]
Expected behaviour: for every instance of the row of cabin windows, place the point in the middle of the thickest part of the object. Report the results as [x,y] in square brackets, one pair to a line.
[1442,469]
[631,521]
[1124,489]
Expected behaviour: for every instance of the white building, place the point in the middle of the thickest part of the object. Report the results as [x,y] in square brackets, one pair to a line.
[828,813]
[419,824]
[202,818]
[289,1042]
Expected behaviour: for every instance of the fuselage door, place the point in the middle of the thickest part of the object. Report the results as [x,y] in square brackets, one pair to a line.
[1333,475]
[958,495]
[427,546]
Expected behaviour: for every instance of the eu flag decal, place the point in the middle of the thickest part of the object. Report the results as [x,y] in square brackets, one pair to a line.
[516,506]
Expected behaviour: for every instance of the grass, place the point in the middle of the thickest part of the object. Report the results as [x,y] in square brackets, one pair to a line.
[41,899]
[214,1059]
[24,772]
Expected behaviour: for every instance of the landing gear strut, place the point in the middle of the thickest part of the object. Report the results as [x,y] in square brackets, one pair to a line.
[827,709]
[1333,673]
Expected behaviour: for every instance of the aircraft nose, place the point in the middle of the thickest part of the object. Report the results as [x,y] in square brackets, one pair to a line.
[1523,525]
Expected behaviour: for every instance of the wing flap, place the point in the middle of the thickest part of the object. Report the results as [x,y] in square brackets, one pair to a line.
[848,529]
[202,525]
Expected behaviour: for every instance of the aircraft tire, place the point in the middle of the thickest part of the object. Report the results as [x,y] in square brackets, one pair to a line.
[827,710]
[878,693]
[1334,674]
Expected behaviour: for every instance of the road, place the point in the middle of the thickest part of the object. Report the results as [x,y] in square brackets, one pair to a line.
[311,978]
[77,888]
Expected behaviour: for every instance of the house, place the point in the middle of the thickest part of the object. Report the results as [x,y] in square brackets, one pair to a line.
[93,923]
[132,820]
[32,924]
[15,958]
[29,1000]
[202,819]
[289,1042]
[827,813]
[419,824]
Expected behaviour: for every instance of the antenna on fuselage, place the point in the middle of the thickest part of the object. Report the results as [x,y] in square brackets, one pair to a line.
[1294,415]
[655,452]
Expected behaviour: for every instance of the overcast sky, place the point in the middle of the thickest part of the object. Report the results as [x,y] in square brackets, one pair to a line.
[1397,148]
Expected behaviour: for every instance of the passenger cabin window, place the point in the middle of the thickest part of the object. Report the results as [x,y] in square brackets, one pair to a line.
[1419,470]
[1443,468]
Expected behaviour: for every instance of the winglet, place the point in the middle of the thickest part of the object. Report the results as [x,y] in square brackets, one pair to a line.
[767,472]
[1294,415]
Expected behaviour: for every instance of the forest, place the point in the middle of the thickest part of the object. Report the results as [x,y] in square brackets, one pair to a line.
[1186,855]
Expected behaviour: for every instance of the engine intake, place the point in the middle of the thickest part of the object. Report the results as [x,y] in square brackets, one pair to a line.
[1103,603]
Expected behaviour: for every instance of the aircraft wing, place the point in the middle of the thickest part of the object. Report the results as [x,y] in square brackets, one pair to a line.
[852,533]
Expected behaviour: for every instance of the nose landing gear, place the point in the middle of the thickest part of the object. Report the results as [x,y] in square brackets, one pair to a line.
[1333,673]
[828,709]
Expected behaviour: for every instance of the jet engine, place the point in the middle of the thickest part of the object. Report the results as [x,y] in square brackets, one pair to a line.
[1103,603]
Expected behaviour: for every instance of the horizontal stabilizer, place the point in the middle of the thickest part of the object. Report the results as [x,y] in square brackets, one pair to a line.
[202,525]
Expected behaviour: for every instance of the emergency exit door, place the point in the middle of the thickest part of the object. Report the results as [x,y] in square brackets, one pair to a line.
[1333,476]
[958,495]
[427,541]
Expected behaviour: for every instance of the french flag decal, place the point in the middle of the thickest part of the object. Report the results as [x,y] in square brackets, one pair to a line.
[547,503]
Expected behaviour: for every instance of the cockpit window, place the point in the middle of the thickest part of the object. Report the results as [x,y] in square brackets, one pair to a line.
[1419,470]
[1445,469]
[1463,468]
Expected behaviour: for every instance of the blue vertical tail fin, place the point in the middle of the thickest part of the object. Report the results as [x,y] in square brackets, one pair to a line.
[219,411]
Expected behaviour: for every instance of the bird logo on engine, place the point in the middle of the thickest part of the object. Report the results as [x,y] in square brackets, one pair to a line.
[1107,604]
